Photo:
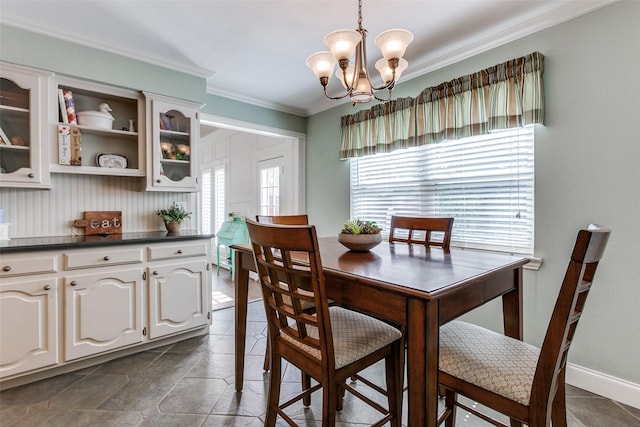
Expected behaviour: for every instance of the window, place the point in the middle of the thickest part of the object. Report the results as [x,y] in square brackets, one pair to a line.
[269,188]
[206,201]
[485,182]
[213,191]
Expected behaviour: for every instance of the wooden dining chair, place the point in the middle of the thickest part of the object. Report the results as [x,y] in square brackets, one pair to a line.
[331,344]
[410,229]
[299,219]
[512,377]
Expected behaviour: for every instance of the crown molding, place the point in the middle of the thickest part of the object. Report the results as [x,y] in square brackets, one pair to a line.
[149,58]
[566,12]
[211,90]
[562,14]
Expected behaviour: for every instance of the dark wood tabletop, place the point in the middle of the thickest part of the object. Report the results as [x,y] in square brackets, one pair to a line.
[414,287]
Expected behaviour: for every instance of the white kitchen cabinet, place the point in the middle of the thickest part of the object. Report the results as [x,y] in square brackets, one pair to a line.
[24,150]
[177,297]
[103,311]
[72,306]
[28,324]
[173,126]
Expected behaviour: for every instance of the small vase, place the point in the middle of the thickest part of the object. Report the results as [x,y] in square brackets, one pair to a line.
[172,227]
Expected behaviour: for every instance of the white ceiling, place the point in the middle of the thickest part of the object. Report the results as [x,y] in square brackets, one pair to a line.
[255,51]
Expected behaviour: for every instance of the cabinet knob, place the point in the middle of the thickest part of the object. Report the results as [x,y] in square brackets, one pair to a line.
[47,287]
[155,273]
[106,258]
[158,181]
[73,283]
[31,175]
[179,251]
[6,268]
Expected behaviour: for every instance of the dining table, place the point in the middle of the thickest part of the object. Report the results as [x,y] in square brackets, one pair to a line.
[412,286]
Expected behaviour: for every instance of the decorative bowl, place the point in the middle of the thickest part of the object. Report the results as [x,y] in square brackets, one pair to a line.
[95,119]
[360,242]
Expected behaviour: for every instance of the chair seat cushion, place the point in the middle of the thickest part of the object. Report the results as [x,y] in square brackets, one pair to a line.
[493,361]
[355,335]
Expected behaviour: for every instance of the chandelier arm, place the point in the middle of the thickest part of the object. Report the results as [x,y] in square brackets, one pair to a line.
[336,97]
[383,99]
[388,85]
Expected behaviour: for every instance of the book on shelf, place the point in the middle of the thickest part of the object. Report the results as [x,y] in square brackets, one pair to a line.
[75,136]
[3,138]
[70,106]
[165,123]
[64,144]
[63,107]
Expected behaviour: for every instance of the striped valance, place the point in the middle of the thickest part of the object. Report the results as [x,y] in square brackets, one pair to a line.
[503,96]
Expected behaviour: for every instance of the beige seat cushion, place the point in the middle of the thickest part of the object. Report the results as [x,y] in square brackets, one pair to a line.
[489,360]
[355,335]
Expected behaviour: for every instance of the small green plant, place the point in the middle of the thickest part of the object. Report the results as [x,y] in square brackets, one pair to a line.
[357,226]
[175,213]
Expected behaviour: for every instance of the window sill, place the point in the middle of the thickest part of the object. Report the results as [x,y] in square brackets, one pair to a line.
[533,264]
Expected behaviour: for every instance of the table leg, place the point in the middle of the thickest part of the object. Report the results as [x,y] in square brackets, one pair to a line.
[422,362]
[241,291]
[512,308]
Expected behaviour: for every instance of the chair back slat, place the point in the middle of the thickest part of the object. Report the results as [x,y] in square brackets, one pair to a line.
[587,252]
[301,219]
[412,229]
[290,272]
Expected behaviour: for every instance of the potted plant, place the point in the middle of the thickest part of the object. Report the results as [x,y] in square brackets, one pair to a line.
[360,236]
[173,217]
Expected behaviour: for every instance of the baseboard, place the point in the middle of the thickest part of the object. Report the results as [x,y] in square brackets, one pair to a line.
[605,385]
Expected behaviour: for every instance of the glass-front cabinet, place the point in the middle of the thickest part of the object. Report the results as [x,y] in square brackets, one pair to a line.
[23,152]
[174,128]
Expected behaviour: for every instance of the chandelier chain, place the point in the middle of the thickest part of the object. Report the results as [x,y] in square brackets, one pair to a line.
[360,14]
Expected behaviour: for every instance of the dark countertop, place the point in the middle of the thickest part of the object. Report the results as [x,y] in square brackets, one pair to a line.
[29,244]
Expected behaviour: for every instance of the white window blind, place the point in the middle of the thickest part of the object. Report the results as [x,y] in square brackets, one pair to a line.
[486,183]
[219,190]
[206,201]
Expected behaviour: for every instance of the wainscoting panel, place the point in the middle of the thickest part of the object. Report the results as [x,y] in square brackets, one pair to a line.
[38,213]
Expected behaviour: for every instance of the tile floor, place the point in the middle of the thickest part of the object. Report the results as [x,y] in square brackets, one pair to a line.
[190,383]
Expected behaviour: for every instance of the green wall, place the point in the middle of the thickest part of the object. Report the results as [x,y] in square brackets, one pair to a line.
[38,51]
[587,158]
[236,110]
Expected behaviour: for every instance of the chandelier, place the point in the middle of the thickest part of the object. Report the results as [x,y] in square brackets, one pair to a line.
[356,78]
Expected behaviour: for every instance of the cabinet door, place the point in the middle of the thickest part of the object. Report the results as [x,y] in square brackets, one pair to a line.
[23,152]
[28,325]
[174,129]
[103,311]
[177,297]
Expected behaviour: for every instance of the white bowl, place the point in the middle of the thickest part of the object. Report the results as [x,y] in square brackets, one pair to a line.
[95,119]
